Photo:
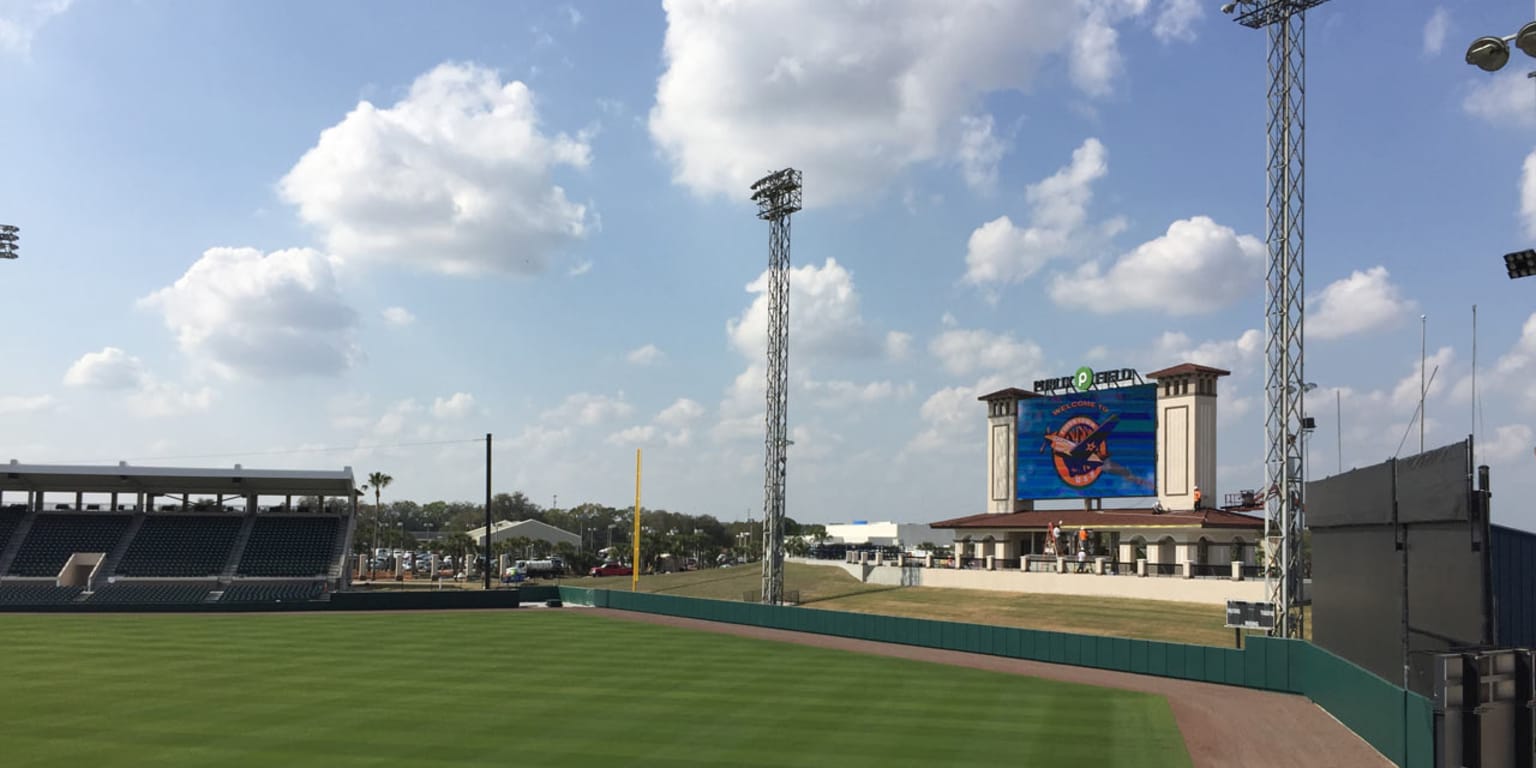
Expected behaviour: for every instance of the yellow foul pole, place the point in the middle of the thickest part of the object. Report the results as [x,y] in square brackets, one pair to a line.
[634,560]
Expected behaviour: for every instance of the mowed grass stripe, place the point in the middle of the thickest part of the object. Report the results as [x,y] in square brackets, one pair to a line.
[534,686]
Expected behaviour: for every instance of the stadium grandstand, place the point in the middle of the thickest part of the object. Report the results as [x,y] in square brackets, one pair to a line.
[128,535]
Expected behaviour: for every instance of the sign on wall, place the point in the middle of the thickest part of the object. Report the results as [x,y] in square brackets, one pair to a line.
[1093,444]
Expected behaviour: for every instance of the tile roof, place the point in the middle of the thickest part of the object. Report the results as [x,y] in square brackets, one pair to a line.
[1184,369]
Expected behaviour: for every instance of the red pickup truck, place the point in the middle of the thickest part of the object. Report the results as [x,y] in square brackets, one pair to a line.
[610,569]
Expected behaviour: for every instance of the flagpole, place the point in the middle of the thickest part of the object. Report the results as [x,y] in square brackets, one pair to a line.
[634,560]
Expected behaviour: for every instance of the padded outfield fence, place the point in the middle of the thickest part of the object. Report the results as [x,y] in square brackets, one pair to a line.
[1398,723]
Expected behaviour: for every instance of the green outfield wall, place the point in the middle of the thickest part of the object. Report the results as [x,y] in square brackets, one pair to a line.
[1398,723]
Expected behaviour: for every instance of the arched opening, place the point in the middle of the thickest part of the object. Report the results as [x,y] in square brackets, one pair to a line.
[1166,551]
[1202,551]
[1138,548]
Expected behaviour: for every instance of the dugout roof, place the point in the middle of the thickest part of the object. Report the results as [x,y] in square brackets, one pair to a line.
[122,478]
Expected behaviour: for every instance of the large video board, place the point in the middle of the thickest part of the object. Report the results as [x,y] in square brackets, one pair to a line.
[1095,444]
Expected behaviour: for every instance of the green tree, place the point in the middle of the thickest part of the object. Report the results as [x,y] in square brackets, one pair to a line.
[378,480]
[795,546]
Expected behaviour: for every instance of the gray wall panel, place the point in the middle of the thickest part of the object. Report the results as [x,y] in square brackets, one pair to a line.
[1359,496]
[1435,485]
[1356,603]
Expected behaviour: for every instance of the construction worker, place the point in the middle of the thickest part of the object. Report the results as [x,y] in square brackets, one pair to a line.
[1197,497]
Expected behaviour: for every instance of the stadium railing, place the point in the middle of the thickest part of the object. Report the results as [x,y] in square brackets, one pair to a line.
[1398,723]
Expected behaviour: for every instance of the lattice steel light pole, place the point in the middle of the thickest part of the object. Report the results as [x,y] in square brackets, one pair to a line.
[1284,384]
[777,196]
[10,238]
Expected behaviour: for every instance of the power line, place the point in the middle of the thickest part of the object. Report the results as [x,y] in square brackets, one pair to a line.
[287,452]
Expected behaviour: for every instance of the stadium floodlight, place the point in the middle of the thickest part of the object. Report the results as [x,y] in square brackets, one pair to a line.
[10,238]
[1521,263]
[1489,54]
[1525,39]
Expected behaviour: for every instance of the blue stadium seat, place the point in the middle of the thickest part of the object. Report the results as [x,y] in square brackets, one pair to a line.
[53,538]
[290,546]
[180,545]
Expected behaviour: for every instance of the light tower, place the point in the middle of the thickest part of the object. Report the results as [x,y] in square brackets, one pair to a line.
[777,196]
[10,238]
[1284,384]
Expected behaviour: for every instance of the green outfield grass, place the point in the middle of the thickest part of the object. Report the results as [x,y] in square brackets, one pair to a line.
[833,589]
[528,687]
[814,583]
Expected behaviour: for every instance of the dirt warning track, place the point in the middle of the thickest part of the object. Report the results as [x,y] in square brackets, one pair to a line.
[1222,725]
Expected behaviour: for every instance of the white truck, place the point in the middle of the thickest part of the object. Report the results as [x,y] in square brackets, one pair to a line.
[546,569]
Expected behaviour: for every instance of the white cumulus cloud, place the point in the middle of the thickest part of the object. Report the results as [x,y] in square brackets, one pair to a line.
[898,345]
[1504,98]
[980,152]
[1176,21]
[824,316]
[1196,267]
[1364,301]
[966,351]
[586,409]
[11,404]
[398,317]
[111,368]
[454,178]
[841,394]
[264,315]
[1528,195]
[455,406]
[953,421]
[645,355]
[1435,29]
[1002,252]
[680,413]
[632,435]
[1510,374]
[20,21]
[1233,355]
[853,93]
[1508,442]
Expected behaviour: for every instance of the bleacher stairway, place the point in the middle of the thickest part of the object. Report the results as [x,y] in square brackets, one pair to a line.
[109,565]
[238,550]
[339,552]
[14,545]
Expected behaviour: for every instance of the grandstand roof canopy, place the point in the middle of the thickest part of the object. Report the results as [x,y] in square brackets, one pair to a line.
[60,478]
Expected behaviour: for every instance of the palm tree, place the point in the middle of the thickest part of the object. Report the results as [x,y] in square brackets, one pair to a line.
[378,480]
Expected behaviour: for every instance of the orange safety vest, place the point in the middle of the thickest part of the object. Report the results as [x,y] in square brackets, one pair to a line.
[1197,497]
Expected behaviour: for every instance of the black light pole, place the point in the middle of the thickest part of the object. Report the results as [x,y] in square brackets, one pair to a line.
[487,510]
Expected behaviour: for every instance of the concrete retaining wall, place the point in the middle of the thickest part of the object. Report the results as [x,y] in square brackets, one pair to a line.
[1171,588]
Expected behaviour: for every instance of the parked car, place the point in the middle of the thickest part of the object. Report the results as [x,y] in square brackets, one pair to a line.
[611,569]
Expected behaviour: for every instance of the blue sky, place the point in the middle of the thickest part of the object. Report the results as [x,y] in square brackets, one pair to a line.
[258,232]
